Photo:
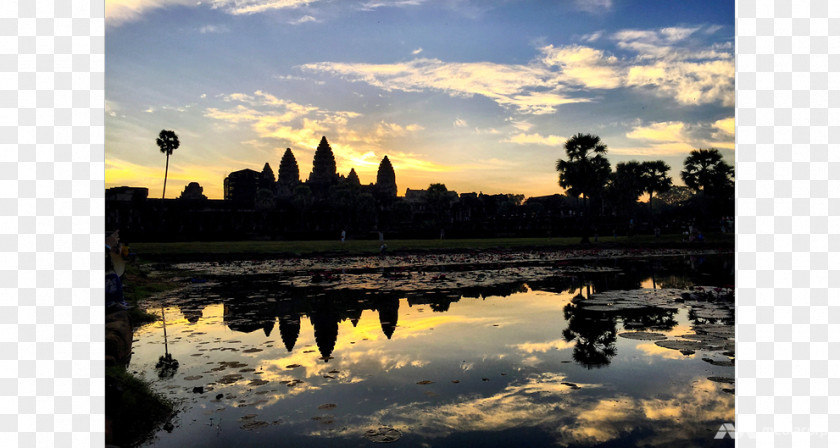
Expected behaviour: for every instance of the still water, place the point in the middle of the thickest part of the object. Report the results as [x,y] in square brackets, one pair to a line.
[484,355]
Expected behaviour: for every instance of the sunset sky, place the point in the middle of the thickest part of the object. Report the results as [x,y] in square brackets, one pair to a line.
[479,95]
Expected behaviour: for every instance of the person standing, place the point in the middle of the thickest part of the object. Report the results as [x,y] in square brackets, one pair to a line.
[114,269]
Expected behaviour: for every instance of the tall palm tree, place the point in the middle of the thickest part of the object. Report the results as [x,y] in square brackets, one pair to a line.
[655,179]
[705,170]
[168,142]
[585,172]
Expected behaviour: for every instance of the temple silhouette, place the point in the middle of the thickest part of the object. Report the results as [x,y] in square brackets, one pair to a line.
[262,205]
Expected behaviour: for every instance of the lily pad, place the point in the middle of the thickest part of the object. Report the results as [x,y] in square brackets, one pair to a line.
[643,336]
[722,379]
[327,406]
[230,379]
[425,382]
[681,345]
[250,426]
[383,435]
[720,362]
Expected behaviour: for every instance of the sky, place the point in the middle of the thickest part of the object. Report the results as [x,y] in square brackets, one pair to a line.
[478,95]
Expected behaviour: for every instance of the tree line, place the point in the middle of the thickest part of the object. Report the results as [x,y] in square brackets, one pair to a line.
[595,196]
[586,173]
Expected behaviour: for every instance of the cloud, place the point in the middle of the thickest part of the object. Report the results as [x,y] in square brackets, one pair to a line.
[584,66]
[303,19]
[675,138]
[665,62]
[417,51]
[523,126]
[246,7]
[118,12]
[112,109]
[592,37]
[508,85]
[671,43]
[726,126]
[375,4]
[688,82]
[594,6]
[537,139]
[460,123]
[299,126]
[208,29]
[543,347]
[670,131]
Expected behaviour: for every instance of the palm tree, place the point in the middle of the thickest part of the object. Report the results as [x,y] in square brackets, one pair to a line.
[655,179]
[624,187]
[585,172]
[168,142]
[704,170]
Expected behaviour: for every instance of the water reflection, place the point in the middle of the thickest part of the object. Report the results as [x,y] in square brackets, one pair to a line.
[290,329]
[522,361]
[594,335]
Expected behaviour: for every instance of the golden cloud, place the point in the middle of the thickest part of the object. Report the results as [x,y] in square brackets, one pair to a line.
[542,347]
[726,125]
[508,85]
[675,137]
[670,131]
[537,139]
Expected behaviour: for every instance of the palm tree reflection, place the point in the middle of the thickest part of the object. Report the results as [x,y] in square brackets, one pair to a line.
[594,334]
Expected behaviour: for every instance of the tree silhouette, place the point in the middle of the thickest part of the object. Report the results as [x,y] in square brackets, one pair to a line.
[168,142]
[594,335]
[438,198]
[585,172]
[677,196]
[655,179]
[624,187]
[705,171]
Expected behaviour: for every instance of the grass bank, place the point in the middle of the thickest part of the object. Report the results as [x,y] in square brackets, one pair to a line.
[265,249]
[132,410]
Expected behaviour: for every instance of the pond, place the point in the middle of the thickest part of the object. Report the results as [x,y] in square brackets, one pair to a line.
[493,350]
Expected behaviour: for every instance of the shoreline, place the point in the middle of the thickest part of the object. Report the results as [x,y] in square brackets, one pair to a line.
[264,250]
